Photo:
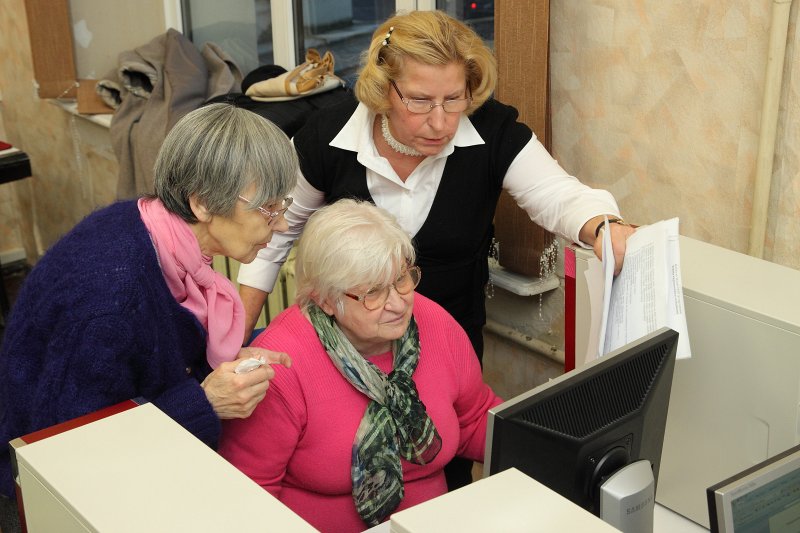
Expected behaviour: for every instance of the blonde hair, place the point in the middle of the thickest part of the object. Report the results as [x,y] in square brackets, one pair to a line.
[347,244]
[430,38]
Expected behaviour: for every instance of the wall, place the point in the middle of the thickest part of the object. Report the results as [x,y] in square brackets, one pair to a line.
[659,102]
[74,168]
[783,230]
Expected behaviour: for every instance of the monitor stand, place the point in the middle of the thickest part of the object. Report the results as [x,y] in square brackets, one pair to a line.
[627,498]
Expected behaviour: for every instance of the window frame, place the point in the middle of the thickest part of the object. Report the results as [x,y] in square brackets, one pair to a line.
[284,42]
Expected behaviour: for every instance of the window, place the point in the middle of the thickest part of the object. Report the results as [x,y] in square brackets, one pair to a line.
[479,15]
[261,32]
[243,28]
[343,27]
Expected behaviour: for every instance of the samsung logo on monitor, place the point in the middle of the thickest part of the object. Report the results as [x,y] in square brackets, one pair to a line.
[639,506]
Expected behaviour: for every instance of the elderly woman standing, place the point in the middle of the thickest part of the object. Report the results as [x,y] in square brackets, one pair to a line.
[426,142]
[127,305]
[384,388]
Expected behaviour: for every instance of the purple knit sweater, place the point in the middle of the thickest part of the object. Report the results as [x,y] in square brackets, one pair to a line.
[95,324]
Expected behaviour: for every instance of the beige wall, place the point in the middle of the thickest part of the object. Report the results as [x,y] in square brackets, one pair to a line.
[659,102]
[74,169]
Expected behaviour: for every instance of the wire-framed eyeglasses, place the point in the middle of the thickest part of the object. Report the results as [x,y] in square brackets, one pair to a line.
[422,106]
[271,215]
[376,297]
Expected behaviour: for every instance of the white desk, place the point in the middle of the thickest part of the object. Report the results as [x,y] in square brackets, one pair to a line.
[140,471]
[513,503]
[665,521]
[668,521]
[509,501]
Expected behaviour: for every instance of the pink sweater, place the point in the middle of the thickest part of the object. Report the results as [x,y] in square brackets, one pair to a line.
[297,442]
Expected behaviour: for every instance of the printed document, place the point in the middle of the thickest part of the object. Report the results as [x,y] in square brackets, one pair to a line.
[648,293]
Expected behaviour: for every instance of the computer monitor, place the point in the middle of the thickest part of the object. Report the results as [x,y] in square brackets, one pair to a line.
[764,497]
[594,435]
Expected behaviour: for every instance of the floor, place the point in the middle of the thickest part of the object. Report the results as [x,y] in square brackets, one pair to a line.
[12,277]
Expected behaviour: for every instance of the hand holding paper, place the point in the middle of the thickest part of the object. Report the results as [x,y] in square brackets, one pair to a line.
[648,293]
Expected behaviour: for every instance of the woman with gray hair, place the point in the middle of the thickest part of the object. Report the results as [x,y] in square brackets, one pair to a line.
[384,388]
[126,305]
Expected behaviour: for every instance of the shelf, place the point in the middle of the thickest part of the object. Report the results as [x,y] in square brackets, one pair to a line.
[519,284]
[72,108]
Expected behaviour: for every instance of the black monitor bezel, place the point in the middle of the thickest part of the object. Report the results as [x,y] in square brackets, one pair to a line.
[628,438]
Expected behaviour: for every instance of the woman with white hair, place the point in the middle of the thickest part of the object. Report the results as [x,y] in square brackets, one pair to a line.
[126,305]
[384,388]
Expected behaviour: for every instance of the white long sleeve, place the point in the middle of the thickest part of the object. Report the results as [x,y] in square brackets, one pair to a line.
[552,198]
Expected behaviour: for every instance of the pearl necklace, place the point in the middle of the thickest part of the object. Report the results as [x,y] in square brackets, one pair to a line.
[393,143]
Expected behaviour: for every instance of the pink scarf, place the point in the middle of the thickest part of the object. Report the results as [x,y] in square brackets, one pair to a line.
[210,296]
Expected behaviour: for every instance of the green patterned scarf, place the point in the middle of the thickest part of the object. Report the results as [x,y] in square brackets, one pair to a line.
[395,423]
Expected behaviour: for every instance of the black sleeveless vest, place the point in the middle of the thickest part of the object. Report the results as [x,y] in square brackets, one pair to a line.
[453,243]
